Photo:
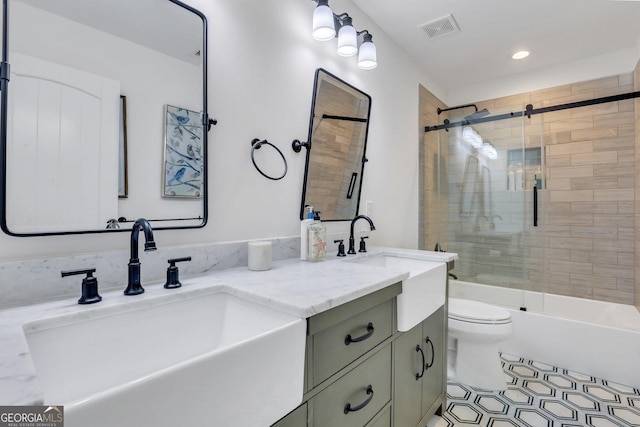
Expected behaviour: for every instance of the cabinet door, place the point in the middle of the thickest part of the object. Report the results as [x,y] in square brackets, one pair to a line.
[435,347]
[296,418]
[408,377]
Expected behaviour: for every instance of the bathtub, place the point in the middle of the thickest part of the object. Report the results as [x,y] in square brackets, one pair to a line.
[596,338]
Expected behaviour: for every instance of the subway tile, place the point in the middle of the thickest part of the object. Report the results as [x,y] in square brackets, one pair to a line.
[596,84]
[576,291]
[626,284]
[626,79]
[626,258]
[592,134]
[557,137]
[571,148]
[558,254]
[551,93]
[627,233]
[594,232]
[620,168]
[570,267]
[594,158]
[513,102]
[595,110]
[612,296]
[573,195]
[618,271]
[578,243]
[614,195]
[626,207]
[592,183]
[572,124]
[594,207]
[613,144]
[558,161]
[617,220]
[559,184]
[613,91]
[605,282]
[590,256]
[555,219]
[571,171]
[606,245]
[614,119]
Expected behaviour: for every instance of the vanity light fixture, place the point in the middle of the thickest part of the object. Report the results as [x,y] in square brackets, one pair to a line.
[489,151]
[350,41]
[347,37]
[470,136]
[323,22]
[367,58]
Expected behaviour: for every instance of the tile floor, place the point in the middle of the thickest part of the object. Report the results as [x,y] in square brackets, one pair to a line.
[540,395]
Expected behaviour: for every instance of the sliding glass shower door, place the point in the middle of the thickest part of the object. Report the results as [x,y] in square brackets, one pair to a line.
[491,188]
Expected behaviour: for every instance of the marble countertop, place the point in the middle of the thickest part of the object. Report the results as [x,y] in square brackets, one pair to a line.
[293,286]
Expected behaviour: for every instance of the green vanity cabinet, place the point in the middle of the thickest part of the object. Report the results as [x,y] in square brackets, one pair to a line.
[420,372]
[349,364]
[295,418]
[361,372]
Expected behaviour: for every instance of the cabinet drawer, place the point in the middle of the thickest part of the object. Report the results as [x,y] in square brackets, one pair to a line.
[332,350]
[374,374]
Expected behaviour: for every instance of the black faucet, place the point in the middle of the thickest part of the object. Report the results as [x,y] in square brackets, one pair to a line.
[352,241]
[134,287]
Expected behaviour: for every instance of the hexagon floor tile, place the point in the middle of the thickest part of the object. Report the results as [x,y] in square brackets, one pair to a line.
[540,395]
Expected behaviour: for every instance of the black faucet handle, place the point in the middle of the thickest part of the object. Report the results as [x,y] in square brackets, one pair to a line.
[340,243]
[89,285]
[173,274]
[363,245]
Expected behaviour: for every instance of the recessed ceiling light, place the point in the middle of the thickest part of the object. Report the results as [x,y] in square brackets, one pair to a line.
[521,54]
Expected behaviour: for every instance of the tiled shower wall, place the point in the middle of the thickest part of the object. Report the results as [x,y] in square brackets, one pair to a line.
[589,243]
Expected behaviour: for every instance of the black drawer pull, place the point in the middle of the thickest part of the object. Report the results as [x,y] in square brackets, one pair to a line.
[418,376]
[370,330]
[433,354]
[348,408]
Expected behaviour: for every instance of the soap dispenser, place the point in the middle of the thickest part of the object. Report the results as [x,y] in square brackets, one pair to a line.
[317,239]
[304,233]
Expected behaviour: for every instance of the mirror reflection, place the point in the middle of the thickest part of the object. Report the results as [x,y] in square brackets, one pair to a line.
[337,146]
[74,63]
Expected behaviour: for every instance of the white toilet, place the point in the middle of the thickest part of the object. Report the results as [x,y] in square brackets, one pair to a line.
[475,329]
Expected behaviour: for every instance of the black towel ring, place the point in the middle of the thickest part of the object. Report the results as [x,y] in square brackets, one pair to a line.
[256,144]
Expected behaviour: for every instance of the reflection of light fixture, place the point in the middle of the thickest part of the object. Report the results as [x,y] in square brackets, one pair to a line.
[347,38]
[323,22]
[489,151]
[350,41]
[367,58]
[471,137]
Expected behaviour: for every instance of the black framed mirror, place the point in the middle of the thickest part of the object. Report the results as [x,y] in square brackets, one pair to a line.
[67,67]
[336,149]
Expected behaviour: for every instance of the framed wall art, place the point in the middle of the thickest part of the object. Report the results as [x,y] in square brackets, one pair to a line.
[183,162]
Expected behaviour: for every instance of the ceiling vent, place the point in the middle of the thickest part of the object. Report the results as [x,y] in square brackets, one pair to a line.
[440,27]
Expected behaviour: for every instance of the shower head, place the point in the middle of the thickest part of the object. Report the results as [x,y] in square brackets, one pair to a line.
[478,114]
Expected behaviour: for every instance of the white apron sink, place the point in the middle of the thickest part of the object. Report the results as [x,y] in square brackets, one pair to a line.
[210,359]
[422,293]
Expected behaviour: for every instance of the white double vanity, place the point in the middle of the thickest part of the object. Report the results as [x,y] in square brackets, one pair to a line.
[359,341]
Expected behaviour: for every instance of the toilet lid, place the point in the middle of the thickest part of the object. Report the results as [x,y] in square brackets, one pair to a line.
[477,312]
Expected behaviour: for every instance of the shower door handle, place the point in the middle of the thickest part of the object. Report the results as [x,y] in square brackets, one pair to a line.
[535,206]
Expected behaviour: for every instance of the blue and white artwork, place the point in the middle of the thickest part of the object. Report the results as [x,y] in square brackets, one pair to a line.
[183,162]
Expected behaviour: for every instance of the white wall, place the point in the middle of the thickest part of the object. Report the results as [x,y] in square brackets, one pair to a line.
[261,66]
